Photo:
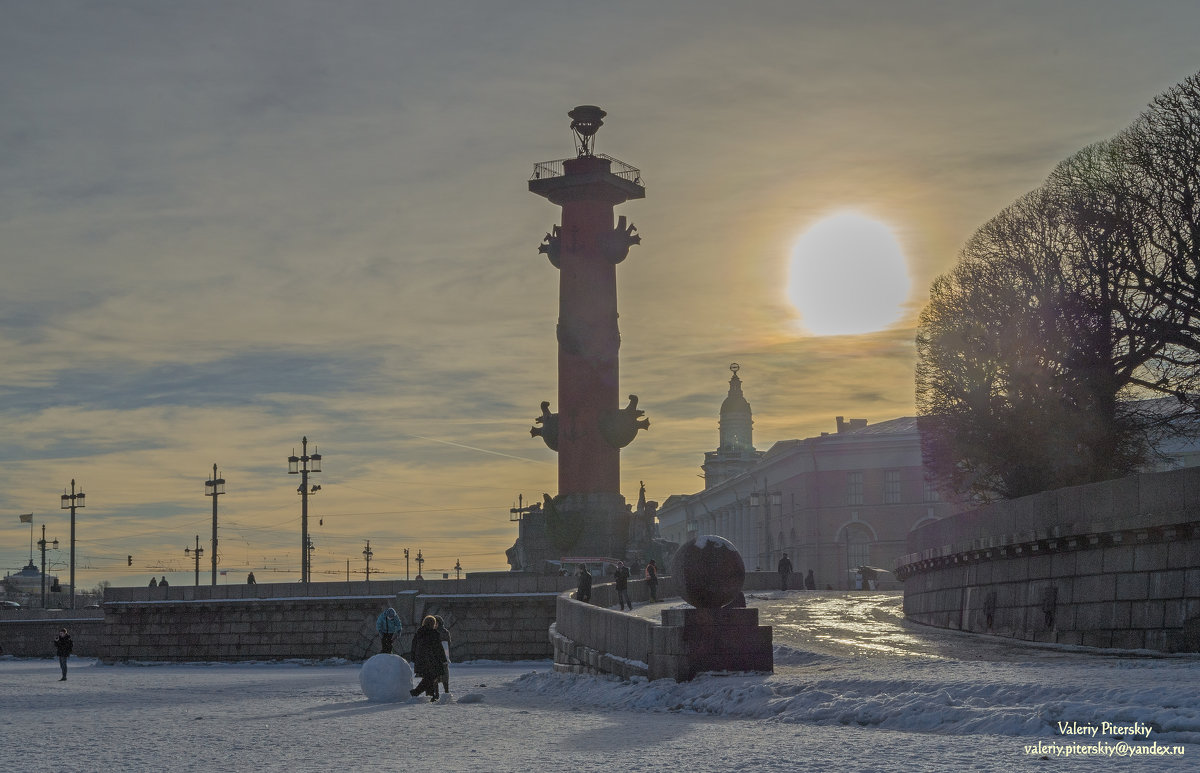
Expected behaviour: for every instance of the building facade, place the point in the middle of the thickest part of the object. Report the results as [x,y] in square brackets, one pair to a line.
[833,503]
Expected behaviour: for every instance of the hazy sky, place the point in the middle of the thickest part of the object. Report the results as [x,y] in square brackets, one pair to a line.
[226,225]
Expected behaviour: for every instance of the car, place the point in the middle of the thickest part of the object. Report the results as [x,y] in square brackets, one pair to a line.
[9,605]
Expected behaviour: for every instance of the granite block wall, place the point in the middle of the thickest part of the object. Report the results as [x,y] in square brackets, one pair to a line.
[1113,564]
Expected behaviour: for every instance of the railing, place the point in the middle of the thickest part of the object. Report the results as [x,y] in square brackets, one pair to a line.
[555,168]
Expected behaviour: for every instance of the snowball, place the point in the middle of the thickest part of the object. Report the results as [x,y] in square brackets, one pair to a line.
[386,677]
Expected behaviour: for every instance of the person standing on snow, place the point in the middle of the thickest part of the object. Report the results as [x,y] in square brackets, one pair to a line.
[444,635]
[785,569]
[388,625]
[63,645]
[429,659]
[621,580]
[584,591]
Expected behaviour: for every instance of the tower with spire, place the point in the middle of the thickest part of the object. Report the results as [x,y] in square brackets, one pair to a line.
[735,452]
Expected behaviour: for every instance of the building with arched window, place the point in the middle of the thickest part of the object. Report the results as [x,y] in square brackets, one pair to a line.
[833,503]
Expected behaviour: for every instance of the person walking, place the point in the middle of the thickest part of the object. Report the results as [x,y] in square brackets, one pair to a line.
[810,582]
[388,625]
[785,569]
[250,579]
[621,580]
[652,580]
[584,591]
[63,645]
[429,659]
[444,635]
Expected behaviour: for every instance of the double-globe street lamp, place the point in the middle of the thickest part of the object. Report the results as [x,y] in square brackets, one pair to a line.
[303,465]
[71,502]
[199,551]
[213,488]
[42,545]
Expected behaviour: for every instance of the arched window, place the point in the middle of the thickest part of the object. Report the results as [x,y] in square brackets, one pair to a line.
[858,546]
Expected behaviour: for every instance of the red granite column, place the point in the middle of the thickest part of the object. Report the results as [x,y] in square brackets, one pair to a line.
[590,427]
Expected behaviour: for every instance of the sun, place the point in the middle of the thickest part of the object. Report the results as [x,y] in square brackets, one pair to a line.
[848,275]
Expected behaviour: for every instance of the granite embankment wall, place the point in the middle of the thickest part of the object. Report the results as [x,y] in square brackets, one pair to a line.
[1113,564]
[593,639]
[501,616]
[30,632]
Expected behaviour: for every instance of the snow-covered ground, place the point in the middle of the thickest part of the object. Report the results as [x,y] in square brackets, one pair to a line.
[855,689]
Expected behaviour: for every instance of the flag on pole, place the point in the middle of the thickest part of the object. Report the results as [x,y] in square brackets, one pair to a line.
[26,517]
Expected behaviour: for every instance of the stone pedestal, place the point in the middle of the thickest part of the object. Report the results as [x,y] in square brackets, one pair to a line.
[691,641]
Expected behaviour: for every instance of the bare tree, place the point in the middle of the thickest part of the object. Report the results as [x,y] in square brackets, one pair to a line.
[1065,311]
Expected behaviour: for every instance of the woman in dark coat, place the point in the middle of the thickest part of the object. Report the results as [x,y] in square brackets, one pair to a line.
[429,659]
[584,591]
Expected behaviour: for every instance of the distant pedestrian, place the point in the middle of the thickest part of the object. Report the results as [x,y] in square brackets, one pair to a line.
[388,625]
[621,580]
[63,645]
[429,659]
[163,582]
[652,580]
[153,583]
[810,582]
[444,635]
[250,579]
[584,591]
[785,570]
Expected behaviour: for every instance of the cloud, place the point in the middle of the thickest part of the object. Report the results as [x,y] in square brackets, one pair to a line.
[230,226]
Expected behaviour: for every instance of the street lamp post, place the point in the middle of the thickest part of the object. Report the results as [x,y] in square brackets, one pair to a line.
[367,553]
[457,569]
[406,564]
[70,502]
[199,551]
[303,465]
[214,488]
[420,564]
[42,547]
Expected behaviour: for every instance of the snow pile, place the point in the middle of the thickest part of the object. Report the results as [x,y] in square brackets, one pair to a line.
[961,707]
[850,660]
[387,678]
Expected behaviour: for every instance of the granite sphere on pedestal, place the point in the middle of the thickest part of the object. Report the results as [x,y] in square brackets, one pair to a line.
[709,570]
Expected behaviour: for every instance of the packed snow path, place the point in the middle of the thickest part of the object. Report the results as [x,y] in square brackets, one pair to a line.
[855,689]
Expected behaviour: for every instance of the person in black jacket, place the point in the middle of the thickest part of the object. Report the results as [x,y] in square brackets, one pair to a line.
[621,580]
[429,659]
[63,645]
[444,635]
[785,570]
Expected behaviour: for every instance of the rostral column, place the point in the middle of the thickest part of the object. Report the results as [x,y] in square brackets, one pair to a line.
[590,428]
